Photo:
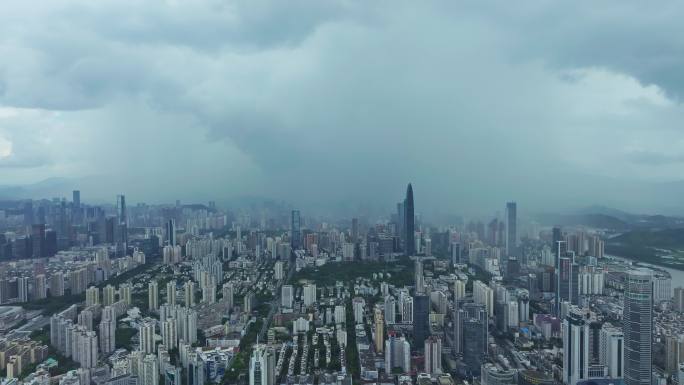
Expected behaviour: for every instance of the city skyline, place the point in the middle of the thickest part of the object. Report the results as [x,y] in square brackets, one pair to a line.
[341,192]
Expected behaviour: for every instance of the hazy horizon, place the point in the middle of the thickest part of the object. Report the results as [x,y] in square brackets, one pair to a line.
[340,104]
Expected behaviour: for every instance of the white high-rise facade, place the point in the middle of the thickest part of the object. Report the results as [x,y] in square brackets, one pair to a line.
[171,293]
[108,330]
[147,344]
[433,355]
[309,294]
[611,350]
[287,296]
[108,295]
[153,295]
[484,295]
[575,348]
[189,293]
[169,333]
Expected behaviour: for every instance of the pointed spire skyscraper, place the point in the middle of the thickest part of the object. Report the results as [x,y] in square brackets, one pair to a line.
[409,224]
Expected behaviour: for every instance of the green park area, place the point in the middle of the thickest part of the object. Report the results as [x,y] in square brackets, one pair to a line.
[400,272]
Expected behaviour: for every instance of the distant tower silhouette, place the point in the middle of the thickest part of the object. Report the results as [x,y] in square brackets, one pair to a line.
[409,222]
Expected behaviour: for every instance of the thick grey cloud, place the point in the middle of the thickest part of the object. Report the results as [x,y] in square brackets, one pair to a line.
[322,102]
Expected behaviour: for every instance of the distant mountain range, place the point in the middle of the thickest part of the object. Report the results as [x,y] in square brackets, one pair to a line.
[611,219]
[44,189]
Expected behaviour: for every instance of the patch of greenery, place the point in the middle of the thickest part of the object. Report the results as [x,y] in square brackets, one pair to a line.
[65,364]
[123,337]
[401,272]
[351,351]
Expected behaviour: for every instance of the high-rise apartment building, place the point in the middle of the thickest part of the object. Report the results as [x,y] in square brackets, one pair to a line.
[575,348]
[433,355]
[379,331]
[153,295]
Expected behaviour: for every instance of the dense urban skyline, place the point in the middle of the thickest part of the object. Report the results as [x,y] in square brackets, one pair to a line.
[343,192]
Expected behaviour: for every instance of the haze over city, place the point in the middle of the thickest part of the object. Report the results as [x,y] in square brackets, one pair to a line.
[343,192]
[340,103]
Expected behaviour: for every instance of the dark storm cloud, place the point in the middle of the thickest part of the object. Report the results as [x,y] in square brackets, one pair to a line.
[476,103]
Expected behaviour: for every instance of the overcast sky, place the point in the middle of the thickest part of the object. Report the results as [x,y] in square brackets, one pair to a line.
[318,102]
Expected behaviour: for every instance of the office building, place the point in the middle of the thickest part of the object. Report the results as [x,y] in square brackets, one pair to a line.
[456,253]
[575,348]
[511,228]
[23,289]
[638,327]
[421,319]
[409,223]
[611,350]
[484,295]
[262,366]
[295,230]
[287,299]
[171,232]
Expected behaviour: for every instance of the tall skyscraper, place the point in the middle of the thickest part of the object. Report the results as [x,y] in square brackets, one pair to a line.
[455,253]
[147,344]
[421,319]
[638,327]
[107,330]
[171,232]
[108,295]
[511,228]
[575,348]
[189,293]
[400,220]
[409,222]
[611,350]
[287,296]
[38,240]
[171,293]
[473,333]
[153,295]
[379,331]
[420,284]
[433,355]
[262,366]
[397,354]
[76,199]
[355,230]
[296,230]
[169,333]
[561,251]
[121,208]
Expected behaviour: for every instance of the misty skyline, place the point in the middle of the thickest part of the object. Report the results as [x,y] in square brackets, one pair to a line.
[323,104]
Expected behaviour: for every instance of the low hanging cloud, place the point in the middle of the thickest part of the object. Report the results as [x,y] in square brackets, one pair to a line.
[318,103]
